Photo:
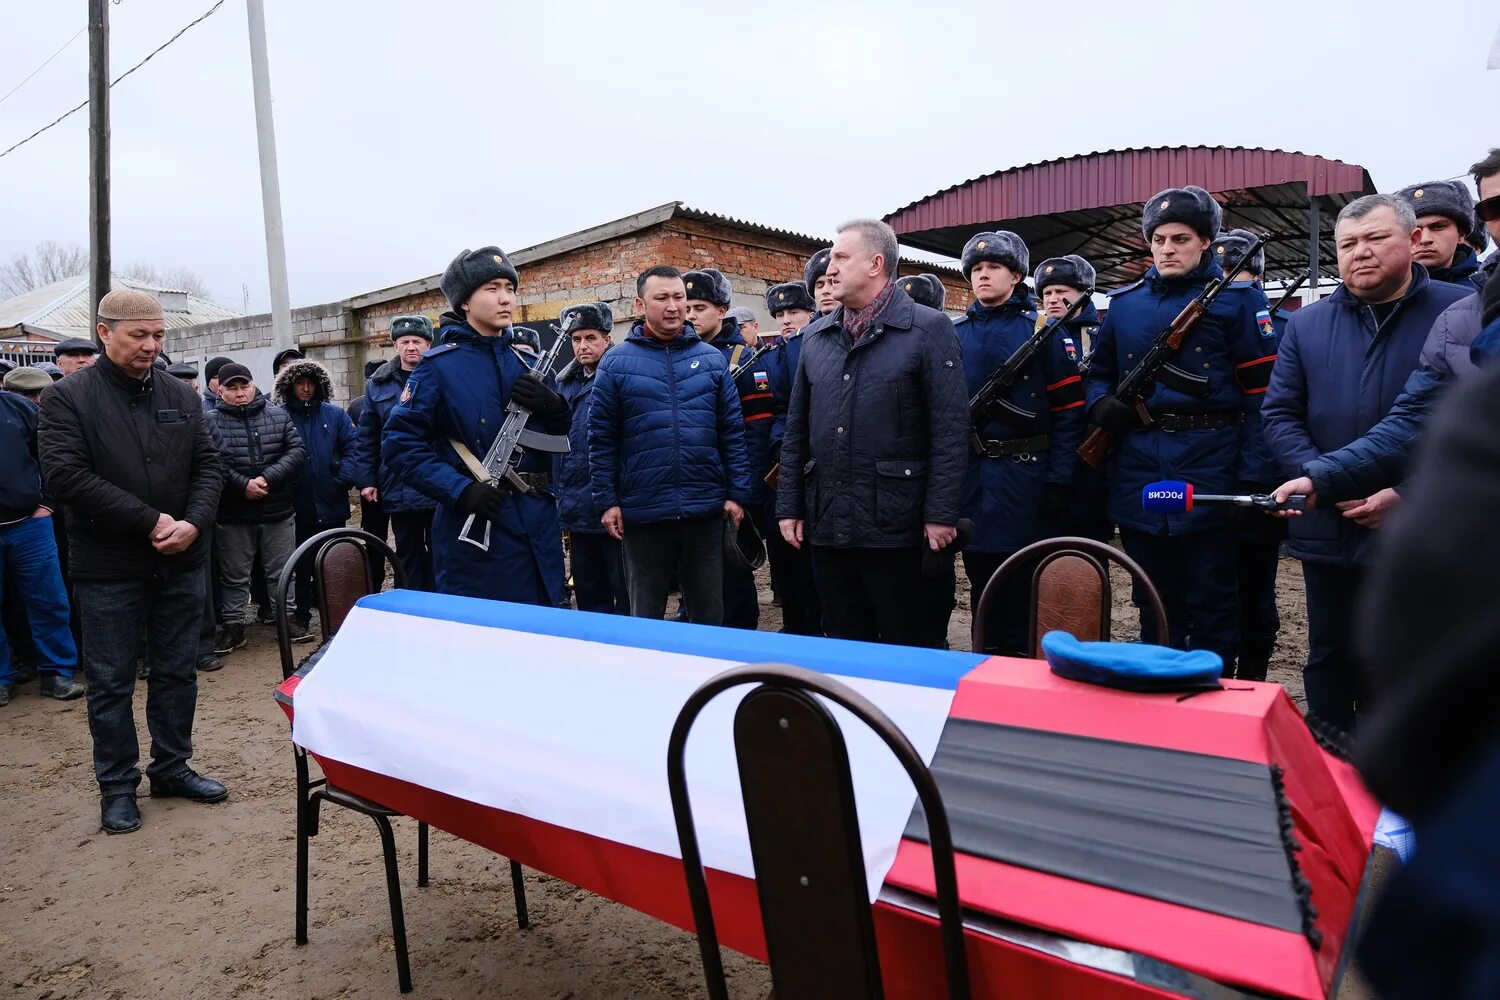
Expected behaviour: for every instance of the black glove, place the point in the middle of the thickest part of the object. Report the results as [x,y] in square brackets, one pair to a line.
[1113,414]
[1056,496]
[530,392]
[481,500]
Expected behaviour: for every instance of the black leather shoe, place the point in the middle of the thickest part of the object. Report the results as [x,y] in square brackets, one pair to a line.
[25,674]
[118,814]
[300,631]
[60,687]
[209,662]
[188,785]
[7,692]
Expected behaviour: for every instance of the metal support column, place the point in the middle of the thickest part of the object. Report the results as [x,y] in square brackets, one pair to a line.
[99,253]
[270,182]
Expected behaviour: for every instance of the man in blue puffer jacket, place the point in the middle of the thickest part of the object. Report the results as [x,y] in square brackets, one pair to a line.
[454,403]
[597,560]
[320,494]
[409,510]
[667,454]
[708,298]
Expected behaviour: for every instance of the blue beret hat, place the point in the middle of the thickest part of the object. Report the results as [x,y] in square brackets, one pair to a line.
[1072,270]
[1004,248]
[472,269]
[1230,247]
[709,285]
[1191,205]
[790,295]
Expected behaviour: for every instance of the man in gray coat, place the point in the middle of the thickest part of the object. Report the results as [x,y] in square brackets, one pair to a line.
[872,465]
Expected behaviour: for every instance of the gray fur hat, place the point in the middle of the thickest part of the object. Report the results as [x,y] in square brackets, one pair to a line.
[789,295]
[815,268]
[1479,236]
[925,290]
[471,269]
[709,285]
[1229,249]
[587,316]
[1072,270]
[415,325]
[1192,206]
[1004,248]
[1450,199]
[303,369]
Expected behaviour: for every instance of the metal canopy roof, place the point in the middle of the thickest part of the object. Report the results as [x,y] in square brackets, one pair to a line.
[1091,205]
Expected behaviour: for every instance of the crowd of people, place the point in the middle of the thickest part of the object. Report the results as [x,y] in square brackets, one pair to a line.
[144,526]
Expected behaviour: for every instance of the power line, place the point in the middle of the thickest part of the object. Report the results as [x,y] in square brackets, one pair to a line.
[43,65]
[74,110]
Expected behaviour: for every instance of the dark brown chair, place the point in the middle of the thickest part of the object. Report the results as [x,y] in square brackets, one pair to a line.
[1070,591]
[804,836]
[342,558]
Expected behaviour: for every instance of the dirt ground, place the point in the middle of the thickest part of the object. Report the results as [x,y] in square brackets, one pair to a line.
[198,903]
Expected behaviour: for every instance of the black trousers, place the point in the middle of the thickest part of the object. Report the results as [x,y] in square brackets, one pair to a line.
[801,609]
[741,597]
[872,595]
[599,573]
[1010,613]
[689,551]
[1332,677]
[374,519]
[302,576]
[940,593]
[1257,559]
[1198,578]
[413,531]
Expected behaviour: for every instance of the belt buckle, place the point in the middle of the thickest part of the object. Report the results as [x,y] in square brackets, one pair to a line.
[993,449]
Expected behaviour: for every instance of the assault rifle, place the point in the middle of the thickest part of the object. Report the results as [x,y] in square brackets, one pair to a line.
[499,462]
[991,396]
[750,359]
[1140,380]
[1287,295]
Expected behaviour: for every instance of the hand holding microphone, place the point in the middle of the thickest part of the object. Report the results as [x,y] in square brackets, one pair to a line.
[1173,497]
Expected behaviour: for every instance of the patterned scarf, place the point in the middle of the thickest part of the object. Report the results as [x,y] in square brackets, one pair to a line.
[859,323]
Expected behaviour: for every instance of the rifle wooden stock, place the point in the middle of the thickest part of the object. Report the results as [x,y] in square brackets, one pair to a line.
[773,478]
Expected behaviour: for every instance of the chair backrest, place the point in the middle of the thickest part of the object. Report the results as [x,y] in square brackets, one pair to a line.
[1070,591]
[339,580]
[804,836]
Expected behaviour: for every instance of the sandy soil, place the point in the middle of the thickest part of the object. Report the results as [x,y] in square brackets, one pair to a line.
[198,903]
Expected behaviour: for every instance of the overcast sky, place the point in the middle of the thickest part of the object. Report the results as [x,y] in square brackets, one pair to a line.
[409,130]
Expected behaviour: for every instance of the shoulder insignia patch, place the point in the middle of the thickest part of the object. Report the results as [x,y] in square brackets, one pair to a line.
[1263,320]
[408,391]
[1070,347]
[762,381]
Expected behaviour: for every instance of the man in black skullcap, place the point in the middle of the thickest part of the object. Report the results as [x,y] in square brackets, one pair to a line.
[211,381]
[443,424]
[74,354]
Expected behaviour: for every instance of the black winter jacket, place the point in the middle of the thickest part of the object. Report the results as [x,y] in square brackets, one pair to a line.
[257,439]
[119,452]
[21,485]
[877,433]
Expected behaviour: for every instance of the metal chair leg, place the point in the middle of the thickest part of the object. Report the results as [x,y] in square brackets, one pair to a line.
[393,886]
[421,855]
[518,888]
[302,838]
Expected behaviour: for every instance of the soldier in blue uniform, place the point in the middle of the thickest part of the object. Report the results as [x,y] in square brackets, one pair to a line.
[1205,407]
[1258,549]
[708,298]
[1059,282]
[455,402]
[1023,458]
[791,305]
[1445,217]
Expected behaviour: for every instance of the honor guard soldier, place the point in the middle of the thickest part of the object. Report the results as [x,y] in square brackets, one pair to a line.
[708,298]
[443,424]
[1059,282]
[792,306]
[1023,452]
[1204,407]
[1445,216]
[1258,549]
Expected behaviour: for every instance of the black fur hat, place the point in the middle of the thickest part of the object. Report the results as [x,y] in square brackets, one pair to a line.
[1192,206]
[587,316]
[1450,199]
[815,268]
[415,325]
[924,289]
[1230,249]
[791,295]
[471,269]
[709,285]
[1072,270]
[1004,248]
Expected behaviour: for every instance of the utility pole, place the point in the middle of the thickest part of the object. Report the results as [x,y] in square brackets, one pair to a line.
[99,256]
[270,182]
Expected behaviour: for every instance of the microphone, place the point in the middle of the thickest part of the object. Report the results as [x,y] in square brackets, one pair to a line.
[1172,497]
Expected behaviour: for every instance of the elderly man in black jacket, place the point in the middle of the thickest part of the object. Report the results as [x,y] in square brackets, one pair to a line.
[125,450]
[872,466]
[263,456]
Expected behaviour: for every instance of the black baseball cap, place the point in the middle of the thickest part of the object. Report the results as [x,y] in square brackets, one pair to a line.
[233,372]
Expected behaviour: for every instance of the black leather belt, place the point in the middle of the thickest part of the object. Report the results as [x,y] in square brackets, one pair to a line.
[1174,422]
[1022,448]
[536,480]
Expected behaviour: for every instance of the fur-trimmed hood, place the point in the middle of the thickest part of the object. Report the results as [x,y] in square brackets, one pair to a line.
[304,369]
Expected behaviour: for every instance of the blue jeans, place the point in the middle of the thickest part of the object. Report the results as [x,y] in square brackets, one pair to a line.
[28,558]
[117,615]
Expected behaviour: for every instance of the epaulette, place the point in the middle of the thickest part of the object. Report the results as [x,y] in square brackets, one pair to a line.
[1128,288]
[433,352]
